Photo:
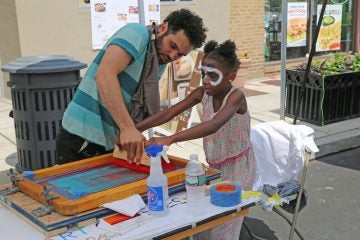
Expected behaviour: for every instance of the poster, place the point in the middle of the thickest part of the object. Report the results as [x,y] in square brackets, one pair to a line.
[151,12]
[330,31]
[296,24]
[183,67]
[108,16]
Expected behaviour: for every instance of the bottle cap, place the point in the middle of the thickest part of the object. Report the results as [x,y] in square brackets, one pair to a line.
[194,157]
[153,150]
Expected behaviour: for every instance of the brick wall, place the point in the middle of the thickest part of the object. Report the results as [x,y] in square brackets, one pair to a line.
[247,30]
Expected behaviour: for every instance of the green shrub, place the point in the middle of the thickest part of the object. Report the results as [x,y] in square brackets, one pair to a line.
[338,63]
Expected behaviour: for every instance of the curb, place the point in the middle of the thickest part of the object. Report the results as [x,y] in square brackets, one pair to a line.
[338,142]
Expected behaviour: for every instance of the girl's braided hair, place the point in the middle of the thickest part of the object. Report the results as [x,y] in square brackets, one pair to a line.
[225,53]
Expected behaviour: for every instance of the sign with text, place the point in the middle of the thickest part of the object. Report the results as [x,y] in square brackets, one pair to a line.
[108,16]
[330,31]
[296,24]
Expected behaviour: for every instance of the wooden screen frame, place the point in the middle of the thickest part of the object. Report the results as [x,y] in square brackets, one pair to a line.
[66,206]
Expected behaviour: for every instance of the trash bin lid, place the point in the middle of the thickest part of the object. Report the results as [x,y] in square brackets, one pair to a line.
[43,64]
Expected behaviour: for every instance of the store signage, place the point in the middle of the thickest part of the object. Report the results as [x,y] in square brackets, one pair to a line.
[296,24]
[330,31]
[108,16]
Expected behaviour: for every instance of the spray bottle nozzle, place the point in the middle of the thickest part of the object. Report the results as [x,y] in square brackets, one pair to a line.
[153,151]
[164,155]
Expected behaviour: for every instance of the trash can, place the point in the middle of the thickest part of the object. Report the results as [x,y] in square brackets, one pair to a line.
[41,88]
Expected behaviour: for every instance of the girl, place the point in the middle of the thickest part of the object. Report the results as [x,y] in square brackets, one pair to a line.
[225,125]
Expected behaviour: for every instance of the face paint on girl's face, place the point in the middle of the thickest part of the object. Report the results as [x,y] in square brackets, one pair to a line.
[214,74]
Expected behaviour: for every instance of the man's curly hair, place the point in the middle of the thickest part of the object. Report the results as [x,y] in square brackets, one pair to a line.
[191,23]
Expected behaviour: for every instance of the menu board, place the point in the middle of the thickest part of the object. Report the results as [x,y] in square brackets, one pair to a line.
[108,16]
[296,24]
[330,31]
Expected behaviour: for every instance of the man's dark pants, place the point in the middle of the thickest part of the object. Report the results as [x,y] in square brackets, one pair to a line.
[71,148]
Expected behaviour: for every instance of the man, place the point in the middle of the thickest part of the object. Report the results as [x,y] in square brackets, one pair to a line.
[98,116]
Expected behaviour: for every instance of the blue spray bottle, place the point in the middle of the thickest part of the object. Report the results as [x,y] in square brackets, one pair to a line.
[157,183]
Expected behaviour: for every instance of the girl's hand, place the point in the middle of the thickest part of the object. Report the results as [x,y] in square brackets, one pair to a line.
[158,141]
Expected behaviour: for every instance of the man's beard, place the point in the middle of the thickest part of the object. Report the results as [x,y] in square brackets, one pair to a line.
[158,46]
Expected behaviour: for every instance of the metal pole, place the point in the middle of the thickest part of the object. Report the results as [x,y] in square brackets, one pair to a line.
[283,57]
[169,89]
[302,184]
[308,65]
[142,12]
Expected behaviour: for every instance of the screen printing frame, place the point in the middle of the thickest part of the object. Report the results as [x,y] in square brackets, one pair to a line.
[66,206]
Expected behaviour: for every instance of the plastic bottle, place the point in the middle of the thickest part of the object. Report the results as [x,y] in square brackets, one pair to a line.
[195,180]
[157,183]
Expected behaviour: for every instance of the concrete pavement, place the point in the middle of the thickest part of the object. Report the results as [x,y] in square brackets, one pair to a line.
[333,207]
[263,97]
[329,138]
[8,155]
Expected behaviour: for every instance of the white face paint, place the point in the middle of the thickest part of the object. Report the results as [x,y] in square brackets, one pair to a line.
[214,74]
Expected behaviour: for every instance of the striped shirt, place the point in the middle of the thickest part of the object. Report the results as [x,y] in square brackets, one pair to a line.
[86,115]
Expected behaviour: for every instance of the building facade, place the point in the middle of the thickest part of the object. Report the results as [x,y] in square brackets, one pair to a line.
[40,27]
[339,30]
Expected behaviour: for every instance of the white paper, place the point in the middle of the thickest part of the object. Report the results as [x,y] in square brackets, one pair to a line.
[128,206]
[108,16]
[151,12]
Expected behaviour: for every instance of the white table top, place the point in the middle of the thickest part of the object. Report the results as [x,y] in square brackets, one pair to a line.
[145,226]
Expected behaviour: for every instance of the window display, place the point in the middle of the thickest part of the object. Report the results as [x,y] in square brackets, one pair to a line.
[336,33]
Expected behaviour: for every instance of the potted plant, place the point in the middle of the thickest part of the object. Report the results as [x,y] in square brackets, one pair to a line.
[243,72]
[332,90]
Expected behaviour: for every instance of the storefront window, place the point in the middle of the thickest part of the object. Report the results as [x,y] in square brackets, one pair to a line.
[272,22]
[336,34]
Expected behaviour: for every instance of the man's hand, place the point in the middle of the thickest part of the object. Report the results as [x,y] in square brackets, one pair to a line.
[132,141]
[159,141]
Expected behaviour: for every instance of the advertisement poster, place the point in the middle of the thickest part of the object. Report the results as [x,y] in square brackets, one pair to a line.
[296,24]
[330,31]
[108,16]
[151,12]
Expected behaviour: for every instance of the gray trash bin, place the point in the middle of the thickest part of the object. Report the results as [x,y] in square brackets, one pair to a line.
[41,88]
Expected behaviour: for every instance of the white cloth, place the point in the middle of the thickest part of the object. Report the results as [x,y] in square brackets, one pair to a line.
[279,149]
[128,206]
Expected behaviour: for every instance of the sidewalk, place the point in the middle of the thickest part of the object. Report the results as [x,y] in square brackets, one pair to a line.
[263,97]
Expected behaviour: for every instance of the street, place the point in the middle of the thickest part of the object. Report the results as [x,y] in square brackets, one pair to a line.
[333,208]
